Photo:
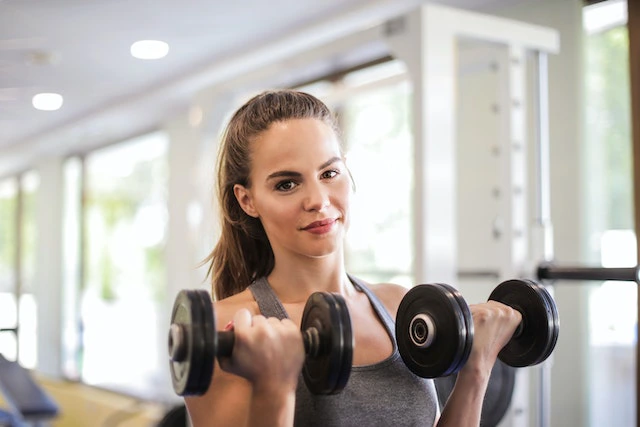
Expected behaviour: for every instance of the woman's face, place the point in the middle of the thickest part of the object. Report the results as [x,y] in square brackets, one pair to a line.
[300,188]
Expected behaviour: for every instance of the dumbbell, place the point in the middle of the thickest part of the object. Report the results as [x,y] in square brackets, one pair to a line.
[537,334]
[434,327]
[194,342]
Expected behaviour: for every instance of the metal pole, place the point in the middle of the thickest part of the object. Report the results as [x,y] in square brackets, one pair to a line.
[543,155]
[543,217]
[624,274]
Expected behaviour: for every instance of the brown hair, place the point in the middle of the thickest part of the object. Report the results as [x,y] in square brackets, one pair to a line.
[243,252]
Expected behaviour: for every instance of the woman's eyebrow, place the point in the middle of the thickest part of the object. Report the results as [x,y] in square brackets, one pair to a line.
[330,161]
[292,174]
[284,173]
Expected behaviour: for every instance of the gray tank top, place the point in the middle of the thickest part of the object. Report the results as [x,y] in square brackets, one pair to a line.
[383,394]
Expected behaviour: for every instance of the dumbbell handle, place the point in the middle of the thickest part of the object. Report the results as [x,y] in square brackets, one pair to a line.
[310,339]
[422,329]
[226,340]
[519,328]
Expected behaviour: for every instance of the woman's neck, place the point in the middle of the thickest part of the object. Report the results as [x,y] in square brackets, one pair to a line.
[295,281]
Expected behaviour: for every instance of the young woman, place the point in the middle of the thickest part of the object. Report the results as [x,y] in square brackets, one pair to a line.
[284,192]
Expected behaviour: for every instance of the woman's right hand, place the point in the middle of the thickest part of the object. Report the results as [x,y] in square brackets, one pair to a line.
[494,325]
[267,351]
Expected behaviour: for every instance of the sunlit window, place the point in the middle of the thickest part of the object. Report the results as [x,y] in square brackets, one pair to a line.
[378,137]
[608,179]
[27,309]
[8,253]
[123,286]
[18,240]
[603,16]
[72,268]
[613,306]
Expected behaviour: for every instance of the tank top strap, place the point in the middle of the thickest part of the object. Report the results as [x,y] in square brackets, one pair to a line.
[270,305]
[268,302]
[378,307]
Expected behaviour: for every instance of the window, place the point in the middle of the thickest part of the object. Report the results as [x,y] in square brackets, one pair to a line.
[120,287]
[378,138]
[27,308]
[612,305]
[8,273]
[17,266]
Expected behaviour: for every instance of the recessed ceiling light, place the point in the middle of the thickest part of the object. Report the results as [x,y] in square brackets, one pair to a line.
[149,49]
[47,101]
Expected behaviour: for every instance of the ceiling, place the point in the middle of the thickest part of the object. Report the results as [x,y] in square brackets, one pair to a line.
[80,49]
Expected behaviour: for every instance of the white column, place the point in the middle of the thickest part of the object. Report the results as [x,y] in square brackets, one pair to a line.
[426,46]
[47,287]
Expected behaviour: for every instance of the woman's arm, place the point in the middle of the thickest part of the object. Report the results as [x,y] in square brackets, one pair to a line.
[225,403]
[233,401]
[494,324]
[256,386]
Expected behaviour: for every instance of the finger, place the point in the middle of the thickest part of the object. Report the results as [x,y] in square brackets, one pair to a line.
[258,319]
[242,319]
[274,321]
[289,323]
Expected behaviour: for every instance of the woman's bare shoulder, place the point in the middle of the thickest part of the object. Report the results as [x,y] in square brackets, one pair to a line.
[390,294]
[226,308]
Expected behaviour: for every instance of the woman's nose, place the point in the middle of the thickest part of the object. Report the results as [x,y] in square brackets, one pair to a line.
[316,198]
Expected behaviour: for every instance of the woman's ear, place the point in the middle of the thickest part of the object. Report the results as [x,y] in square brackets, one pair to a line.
[243,196]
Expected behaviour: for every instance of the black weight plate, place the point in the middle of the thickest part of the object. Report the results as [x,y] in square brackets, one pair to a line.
[193,311]
[497,397]
[555,317]
[347,344]
[539,329]
[209,336]
[446,354]
[325,373]
[468,318]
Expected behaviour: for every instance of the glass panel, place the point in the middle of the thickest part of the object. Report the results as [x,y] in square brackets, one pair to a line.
[378,138]
[8,234]
[27,337]
[29,184]
[126,216]
[8,245]
[71,270]
[612,305]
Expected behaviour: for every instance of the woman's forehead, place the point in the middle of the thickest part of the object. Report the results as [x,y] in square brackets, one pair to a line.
[296,140]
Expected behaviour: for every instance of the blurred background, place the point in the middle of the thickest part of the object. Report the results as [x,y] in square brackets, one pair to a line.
[107,154]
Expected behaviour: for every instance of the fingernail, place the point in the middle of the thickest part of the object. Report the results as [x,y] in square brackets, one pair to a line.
[229,326]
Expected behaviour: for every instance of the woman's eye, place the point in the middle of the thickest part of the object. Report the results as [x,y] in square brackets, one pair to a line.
[330,174]
[285,186]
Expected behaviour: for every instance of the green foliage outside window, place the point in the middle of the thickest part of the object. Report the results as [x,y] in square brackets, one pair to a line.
[608,120]
[8,205]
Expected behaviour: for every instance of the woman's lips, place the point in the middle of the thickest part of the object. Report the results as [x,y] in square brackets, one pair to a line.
[320,227]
